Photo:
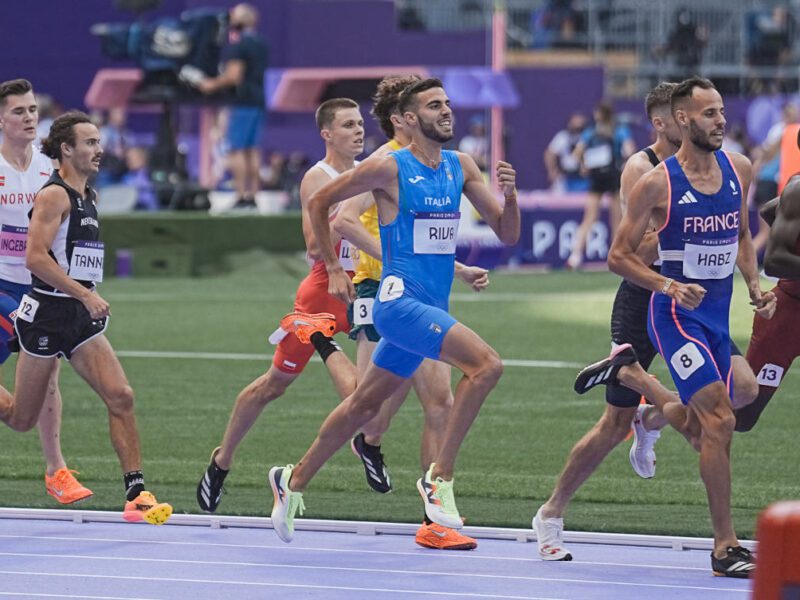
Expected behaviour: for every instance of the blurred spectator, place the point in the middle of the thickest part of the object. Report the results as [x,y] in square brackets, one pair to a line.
[49,109]
[563,168]
[296,166]
[686,44]
[274,175]
[244,60]
[407,16]
[771,35]
[603,148]
[475,143]
[555,23]
[138,176]
[114,137]
[766,168]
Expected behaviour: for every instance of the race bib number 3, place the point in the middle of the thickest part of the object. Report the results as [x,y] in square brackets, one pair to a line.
[362,311]
[436,233]
[13,241]
[710,260]
[687,360]
[770,375]
[27,308]
[87,261]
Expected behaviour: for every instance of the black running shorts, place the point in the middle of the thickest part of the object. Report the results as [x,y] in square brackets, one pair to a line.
[629,326]
[54,325]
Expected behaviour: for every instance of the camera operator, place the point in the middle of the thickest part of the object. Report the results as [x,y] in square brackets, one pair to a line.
[244,61]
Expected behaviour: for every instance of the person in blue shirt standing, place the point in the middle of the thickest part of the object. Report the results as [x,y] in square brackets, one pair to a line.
[698,203]
[245,60]
[418,192]
[603,149]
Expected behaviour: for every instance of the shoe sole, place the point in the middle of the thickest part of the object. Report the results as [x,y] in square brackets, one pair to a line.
[283,534]
[159,514]
[61,501]
[465,546]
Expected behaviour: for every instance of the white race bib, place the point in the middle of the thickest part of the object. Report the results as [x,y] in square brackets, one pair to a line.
[770,375]
[686,360]
[13,241]
[714,259]
[391,289]
[87,261]
[436,233]
[598,157]
[27,308]
[362,311]
[346,250]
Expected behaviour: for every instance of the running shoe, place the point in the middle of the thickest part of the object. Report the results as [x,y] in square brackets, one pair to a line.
[549,537]
[642,454]
[146,508]
[210,490]
[64,487]
[304,325]
[440,504]
[605,371]
[286,502]
[374,467]
[433,535]
[738,562]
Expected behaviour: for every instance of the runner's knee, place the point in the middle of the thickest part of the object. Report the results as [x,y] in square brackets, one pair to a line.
[120,400]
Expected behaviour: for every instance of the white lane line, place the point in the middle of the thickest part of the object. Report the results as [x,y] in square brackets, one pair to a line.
[42,595]
[601,582]
[427,556]
[414,593]
[509,362]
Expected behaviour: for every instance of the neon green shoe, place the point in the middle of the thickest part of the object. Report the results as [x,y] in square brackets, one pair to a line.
[440,504]
[286,504]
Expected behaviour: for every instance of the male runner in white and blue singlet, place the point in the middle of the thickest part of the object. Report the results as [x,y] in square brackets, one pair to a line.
[418,192]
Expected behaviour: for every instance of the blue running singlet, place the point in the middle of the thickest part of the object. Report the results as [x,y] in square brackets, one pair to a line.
[418,250]
[698,243]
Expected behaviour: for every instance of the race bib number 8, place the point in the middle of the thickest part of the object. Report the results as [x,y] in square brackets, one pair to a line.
[436,233]
[687,360]
[362,311]
[87,261]
[710,261]
[27,308]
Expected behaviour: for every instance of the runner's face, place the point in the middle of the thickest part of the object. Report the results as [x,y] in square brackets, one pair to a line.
[435,115]
[706,119]
[666,126]
[85,156]
[347,131]
[19,117]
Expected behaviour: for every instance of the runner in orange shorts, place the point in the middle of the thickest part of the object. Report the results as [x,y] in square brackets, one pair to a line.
[317,317]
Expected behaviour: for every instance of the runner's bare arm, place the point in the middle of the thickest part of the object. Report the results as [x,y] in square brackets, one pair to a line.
[647,200]
[504,222]
[780,259]
[51,208]
[767,211]
[314,179]
[376,173]
[348,225]
[635,168]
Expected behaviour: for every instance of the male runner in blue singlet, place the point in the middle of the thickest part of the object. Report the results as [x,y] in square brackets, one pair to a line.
[698,203]
[418,191]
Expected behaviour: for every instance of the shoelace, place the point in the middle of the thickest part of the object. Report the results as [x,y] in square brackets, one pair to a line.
[552,528]
[296,504]
[64,476]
